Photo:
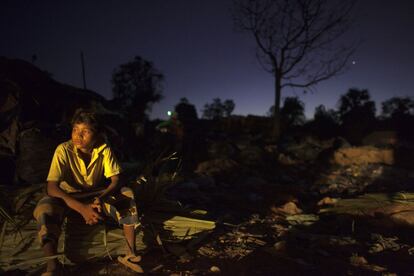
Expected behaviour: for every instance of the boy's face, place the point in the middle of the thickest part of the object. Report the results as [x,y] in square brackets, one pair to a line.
[83,137]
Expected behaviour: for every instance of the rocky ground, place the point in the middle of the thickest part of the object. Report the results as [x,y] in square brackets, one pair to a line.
[282,240]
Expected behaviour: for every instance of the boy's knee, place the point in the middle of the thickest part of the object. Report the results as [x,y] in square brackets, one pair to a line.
[48,206]
[126,191]
[49,213]
[131,220]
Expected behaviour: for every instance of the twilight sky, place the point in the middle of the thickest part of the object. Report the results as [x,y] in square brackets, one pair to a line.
[193,43]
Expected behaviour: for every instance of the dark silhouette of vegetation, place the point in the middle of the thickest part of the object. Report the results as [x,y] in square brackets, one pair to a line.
[325,122]
[398,108]
[292,112]
[295,40]
[229,106]
[136,85]
[186,111]
[218,109]
[356,114]
[398,114]
[191,141]
[328,117]
[356,104]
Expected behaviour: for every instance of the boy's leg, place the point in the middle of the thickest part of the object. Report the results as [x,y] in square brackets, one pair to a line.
[122,208]
[50,249]
[49,214]
[131,259]
[129,232]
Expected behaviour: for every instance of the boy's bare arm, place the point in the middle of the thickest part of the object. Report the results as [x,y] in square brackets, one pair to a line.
[54,190]
[86,210]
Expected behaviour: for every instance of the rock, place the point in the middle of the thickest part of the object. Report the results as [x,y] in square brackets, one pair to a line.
[280,246]
[327,201]
[362,156]
[401,214]
[288,208]
[215,269]
[358,260]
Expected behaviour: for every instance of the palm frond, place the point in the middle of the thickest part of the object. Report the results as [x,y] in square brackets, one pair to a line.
[151,185]
[5,213]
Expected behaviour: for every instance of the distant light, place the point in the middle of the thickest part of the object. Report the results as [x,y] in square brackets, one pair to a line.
[353,62]
[169,113]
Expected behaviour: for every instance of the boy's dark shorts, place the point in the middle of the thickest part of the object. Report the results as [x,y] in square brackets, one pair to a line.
[50,213]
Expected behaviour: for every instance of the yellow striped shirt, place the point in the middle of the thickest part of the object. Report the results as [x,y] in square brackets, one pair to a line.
[74,175]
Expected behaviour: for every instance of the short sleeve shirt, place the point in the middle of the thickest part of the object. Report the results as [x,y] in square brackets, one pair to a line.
[74,175]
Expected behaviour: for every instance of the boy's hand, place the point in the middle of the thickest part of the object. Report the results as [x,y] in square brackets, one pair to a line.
[96,204]
[89,214]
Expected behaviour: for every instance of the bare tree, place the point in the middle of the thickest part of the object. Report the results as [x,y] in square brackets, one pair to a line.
[295,40]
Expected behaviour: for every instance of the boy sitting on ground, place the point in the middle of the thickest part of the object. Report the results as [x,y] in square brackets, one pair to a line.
[77,181]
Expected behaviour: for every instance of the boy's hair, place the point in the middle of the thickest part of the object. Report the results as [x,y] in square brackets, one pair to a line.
[87,117]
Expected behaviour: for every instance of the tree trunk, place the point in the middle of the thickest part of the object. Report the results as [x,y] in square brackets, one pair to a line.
[276,114]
